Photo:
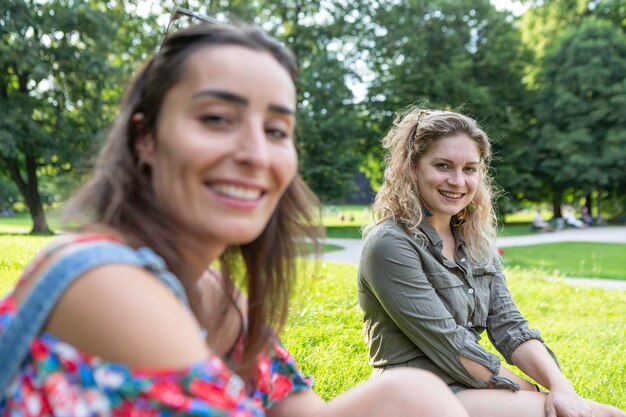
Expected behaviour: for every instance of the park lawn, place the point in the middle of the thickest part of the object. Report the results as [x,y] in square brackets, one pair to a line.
[16,251]
[571,259]
[351,231]
[584,326]
[335,228]
[515,229]
[23,223]
[344,232]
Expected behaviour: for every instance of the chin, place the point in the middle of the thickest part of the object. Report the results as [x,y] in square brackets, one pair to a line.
[243,237]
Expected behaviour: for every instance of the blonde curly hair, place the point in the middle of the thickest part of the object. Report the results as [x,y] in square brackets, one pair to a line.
[411,135]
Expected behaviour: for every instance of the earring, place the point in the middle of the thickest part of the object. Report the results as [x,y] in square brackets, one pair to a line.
[425,210]
[144,168]
[459,218]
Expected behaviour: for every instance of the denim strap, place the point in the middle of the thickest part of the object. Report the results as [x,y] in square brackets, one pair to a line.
[33,312]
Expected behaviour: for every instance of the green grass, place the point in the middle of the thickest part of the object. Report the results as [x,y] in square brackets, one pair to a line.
[525,216]
[23,223]
[354,231]
[346,215]
[16,251]
[335,228]
[571,259]
[515,229]
[344,232]
[325,248]
[584,326]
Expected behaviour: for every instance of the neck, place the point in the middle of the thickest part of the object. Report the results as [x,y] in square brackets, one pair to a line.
[198,255]
[441,224]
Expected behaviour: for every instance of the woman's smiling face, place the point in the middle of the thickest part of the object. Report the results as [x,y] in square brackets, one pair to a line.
[448,174]
[223,153]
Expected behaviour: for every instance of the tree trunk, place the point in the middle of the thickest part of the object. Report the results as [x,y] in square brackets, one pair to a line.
[599,211]
[30,191]
[588,203]
[556,203]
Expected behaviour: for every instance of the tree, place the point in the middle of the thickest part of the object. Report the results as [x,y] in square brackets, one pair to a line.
[581,140]
[463,54]
[59,86]
[328,126]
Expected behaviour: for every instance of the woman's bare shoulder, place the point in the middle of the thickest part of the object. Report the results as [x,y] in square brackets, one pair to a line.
[124,314]
[119,312]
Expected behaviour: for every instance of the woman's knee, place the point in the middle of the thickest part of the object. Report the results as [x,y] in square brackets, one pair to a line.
[414,378]
[415,388]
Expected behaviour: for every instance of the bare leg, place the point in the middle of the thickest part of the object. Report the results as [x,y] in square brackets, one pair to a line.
[405,392]
[501,403]
[398,392]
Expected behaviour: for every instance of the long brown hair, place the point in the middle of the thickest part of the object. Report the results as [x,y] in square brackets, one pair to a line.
[411,135]
[120,194]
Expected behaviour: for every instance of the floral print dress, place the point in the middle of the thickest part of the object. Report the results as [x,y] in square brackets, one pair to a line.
[58,380]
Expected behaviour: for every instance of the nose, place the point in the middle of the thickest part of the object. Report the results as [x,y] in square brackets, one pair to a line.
[456,178]
[252,146]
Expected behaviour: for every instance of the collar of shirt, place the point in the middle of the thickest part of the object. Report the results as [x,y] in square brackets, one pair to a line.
[435,246]
[435,239]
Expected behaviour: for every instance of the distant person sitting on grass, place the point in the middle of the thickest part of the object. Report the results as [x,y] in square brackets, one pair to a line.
[539,224]
[571,220]
[586,216]
[430,280]
[125,316]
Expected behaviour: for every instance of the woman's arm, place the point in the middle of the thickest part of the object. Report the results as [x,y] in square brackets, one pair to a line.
[533,359]
[485,374]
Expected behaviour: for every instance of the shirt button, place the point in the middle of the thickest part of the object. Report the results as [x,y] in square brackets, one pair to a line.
[471,291]
[470,324]
[462,259]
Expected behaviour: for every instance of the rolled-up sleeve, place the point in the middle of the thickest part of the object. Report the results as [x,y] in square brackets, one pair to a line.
[506,327]
[392,269]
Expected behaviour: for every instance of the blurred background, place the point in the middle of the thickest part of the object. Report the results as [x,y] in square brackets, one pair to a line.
[546,79]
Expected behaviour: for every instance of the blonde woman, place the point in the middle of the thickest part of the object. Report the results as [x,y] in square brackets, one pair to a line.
[430,279]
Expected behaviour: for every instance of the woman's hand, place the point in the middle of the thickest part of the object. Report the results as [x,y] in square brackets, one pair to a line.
[566,404]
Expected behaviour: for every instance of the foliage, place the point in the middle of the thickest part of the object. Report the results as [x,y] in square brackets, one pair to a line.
[452,55]
[9,194]
[545,22]
[580,141]
[64,63]
[59,85]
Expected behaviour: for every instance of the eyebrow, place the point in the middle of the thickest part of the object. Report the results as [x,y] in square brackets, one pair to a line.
[239,100]
[452,162]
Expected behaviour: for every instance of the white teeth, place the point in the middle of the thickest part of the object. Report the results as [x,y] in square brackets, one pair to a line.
[234,191]
[450,195]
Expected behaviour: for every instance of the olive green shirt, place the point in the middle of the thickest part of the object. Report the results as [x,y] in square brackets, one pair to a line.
[422,310]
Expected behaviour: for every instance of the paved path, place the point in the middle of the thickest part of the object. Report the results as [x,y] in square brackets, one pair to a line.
[610,234]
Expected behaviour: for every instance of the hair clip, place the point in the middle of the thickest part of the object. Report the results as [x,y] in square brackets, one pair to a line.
[412,136]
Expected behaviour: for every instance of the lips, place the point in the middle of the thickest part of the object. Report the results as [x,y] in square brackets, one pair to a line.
[451,195]
[237,192]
